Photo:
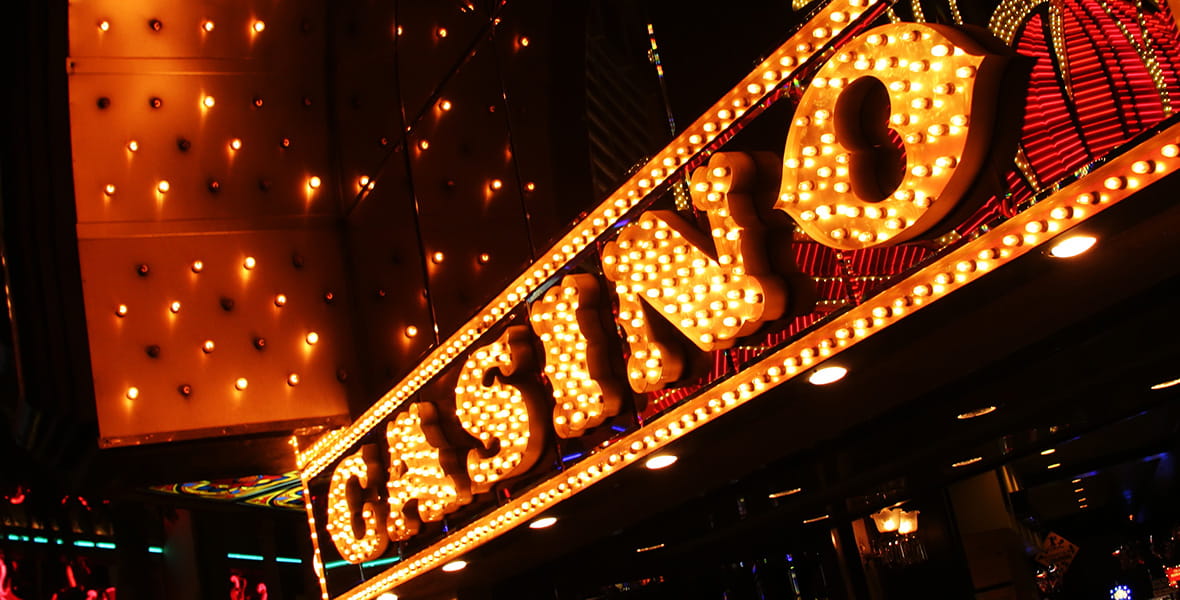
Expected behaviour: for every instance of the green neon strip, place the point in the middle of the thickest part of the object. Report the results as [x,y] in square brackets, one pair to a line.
[336,564]
[244,556]
[40,540]
[83,544]
[155,550]
[105,545]
[293,561]
[381,561]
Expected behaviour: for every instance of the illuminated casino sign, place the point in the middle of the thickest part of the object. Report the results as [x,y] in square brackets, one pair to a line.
[888,139]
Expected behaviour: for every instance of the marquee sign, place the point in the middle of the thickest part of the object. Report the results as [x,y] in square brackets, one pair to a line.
[889,137]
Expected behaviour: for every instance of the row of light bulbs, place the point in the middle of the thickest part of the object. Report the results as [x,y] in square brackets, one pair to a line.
[207,25]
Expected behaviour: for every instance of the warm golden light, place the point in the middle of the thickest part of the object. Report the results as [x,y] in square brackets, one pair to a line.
[109,189]
[104,25]
[1053,466]
[207,26]
[454,565]
[530,186]
[344,507]
[363,182]
[887,520]
[1072,246]
[437,257]
[235,144]
[496,184]
[132,393]
[293,379]
[979,412]
[258,26]
[441,32]
[280,299]
[312,338]
[417,472]
[208,346]
[543,523]
[313,182]
[1166,384]
[208,101]
[908,523]
[660,461]
[411,331]
[1048,451]
[241,383]
[827,375]
[121,310]
[484,258]
[174,307]
[133,146]
[444,104]
[197,266]
[524,41]
[969,461]
[249,263]
[423,144]
[163,187]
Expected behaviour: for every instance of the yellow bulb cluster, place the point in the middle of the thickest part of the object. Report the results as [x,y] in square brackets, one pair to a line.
[567,321]
[500,414]
[368,541]
[417,457]
[1006,242]
[940,88]
[713,295]
[697,138]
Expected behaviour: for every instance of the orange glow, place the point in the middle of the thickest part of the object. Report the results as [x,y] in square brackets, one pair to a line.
[416,472]
[241,383]
[197,266]
[109,189]
[484,258]
[444,105]
[121,310]
[312,338]
[132,393]
[423,144]
[441,32]
[163,187]
[280,300]
[524,41]
[496,184]
[207,26]
[174,307]
[259,25]
[437,257]
[208,101]
[208,346]
[314,182]
[132,146]
[293,379]
[235,144]
[249,263]
[530,186]
[411,331]
[363,182]
[104,25]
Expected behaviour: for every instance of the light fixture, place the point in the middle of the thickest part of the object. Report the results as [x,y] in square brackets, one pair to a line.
[109,189]
[121,310]
[1166,384]
[543,523]
[785,493]
[979,412]
[104,25]
[387,596]
[887,520]
[444,104]
[249,263]
[411,331]
[132,393]
[293,379]
[133,146]
[437,257]
[1053,466]
[208,101]
[496,184]
[312,338]
[235,144]
[313,182]
[969,461]
[207,26]
[827,375]
[241,383]
[174,307]
[280,299]
[908,523]
[163,187]
[454,565]
[660,461]
[259,25]
[208,346]
[1048,451]
[1072,246]
[197,266]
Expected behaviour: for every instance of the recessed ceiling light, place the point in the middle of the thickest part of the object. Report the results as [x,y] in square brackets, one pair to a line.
[969,461]
[454,565]
[543,522]
[827,375]
[979,412]
[1072,246]
[660,461]
[1166,384]
[1048,451]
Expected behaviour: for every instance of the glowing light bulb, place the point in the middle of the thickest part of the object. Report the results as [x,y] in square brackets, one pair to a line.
[207,26]
[444,104]
[280,300]
[121,310]
[660,461]
[484,258]
[363,181]
[1072,246]
[423,144]
[313,182]
[132,393]
[198,266]
[208,101]
[249,263]
[104,25]
[163,187]
[827,375]
[235,144]
[208,346]
[454,565]
[241,383]
[258,26]
[530,186]
[496,184]
[109,189]
[411,331]
[524,41]
[174,307]
[293,379]
[437,257]
[441,32]
[312,338]
[133,146]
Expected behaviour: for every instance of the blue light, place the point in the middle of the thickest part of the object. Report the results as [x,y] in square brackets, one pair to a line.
[155,550]
[244,556]
[571,457]
[336,564]
[83,544]
[1120,592]
[40,540]
[284,559]
[381,561]
[105,545]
